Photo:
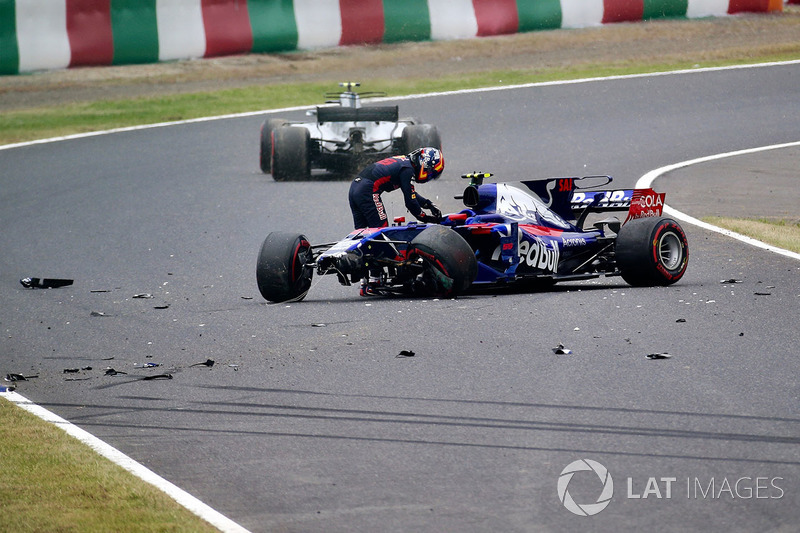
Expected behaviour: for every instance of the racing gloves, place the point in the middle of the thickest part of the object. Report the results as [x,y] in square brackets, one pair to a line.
[435,216]
[429,219]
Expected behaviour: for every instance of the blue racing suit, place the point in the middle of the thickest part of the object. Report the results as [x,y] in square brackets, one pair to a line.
[384,176]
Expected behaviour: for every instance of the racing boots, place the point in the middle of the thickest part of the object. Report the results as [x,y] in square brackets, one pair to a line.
[370,287]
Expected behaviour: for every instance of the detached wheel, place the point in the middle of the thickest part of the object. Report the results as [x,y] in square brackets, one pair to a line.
[652,252]
[450,264]
[290,159]
[265,152]
[281,270]
[420,136]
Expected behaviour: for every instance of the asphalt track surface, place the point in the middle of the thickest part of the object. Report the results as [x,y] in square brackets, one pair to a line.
[309,422]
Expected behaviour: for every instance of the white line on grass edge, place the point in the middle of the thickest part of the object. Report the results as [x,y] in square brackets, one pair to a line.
[185,499]
[192,503]
[646,180]
[398,98]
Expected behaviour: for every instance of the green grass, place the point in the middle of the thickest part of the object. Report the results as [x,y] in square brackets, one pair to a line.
[781,233]
[55,121]
[53,483]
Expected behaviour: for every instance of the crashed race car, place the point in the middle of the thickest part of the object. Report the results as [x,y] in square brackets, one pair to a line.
[342,138]
[529,233]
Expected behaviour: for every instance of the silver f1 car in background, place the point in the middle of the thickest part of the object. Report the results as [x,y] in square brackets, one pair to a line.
[342,138]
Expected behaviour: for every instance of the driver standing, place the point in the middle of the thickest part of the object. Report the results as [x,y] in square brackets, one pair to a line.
[398,172]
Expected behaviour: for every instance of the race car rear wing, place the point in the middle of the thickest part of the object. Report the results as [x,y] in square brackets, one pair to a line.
[360,114]
[575,198]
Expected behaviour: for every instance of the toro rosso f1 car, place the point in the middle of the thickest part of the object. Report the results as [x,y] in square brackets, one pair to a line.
[341,138]
[522,233]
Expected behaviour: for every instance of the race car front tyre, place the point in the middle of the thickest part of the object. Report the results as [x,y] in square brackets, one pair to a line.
[282,270]
[265,152]
[449,263]
[420,136]
[652,251]
[290,158]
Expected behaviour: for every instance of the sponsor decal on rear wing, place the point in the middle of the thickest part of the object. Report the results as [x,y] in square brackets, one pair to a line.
[608,200]
[646,203]
[640,203]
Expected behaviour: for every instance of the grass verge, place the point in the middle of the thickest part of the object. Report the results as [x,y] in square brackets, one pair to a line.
[55,121]
[52,482]
[781,233]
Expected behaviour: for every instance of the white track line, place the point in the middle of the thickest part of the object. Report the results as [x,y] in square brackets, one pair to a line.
[646,181]
[194,505]
[400,98]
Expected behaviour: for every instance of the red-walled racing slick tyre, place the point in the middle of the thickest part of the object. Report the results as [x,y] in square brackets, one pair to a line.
[265,153]
[290,158]
[652,251]
[282,270]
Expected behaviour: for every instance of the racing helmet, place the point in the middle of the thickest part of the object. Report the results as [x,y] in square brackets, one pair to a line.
[428,162]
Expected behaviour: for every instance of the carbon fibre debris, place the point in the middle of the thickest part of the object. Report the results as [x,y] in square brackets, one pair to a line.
[18,377]
[45,283]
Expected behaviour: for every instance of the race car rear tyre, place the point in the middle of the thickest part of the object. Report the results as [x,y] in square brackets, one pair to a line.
[281,271]
[450,264]
[290,161]
[265,152]
[652,251]
[420,136]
